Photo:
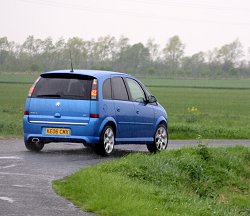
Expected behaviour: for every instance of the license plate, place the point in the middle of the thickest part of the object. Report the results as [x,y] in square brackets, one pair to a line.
[58,131]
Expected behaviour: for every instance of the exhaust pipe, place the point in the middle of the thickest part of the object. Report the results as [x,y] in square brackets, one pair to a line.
[35,140]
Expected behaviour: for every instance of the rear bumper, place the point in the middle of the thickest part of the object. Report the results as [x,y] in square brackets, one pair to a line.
[78,133]
[73,139]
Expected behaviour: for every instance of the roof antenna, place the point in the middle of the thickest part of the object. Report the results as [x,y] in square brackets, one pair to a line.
[71,64]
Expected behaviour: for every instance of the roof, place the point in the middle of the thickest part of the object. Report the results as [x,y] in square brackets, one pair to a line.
[95,73]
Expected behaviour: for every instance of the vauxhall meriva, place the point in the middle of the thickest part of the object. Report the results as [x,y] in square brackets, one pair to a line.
[97,108]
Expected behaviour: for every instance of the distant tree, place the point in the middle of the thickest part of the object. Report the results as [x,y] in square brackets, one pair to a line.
[4,50]
[47,54]
[173,53]
[230,54]
[119,59]
[30,46]
[79,50]
[134,59]
[153,48]
[194,65]
[248,57]
[110,53]
[104,52]
[4,43]
[122,44]
[30,52]
[60,54]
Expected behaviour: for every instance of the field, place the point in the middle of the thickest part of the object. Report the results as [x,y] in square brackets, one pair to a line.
[189,181]
[211,113]
[210,108]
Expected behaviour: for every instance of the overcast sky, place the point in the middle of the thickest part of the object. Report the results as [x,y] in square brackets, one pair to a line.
[201,24]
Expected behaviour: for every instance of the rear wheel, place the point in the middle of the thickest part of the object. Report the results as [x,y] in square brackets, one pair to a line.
[34,146]
[107,142]
[160,140]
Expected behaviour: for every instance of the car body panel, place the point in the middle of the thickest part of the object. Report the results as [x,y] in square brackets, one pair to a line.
[124,116]
[144,120]
[59,110]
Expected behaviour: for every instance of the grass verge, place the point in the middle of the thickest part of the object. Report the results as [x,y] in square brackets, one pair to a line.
[191,181]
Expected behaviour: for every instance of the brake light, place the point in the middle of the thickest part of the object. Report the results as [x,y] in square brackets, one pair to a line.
[94,115]
[33,87]
[26,113]
[94,90]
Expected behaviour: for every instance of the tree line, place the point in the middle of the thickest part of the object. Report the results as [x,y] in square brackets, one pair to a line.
[118,54]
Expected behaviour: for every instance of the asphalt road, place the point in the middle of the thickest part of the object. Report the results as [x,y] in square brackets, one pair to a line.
[25,177]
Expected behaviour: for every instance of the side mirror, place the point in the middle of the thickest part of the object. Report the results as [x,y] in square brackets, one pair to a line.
[152,99]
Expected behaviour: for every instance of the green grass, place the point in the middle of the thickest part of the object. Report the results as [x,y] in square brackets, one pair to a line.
[200,83]
[23,78]
[12,98]
[222,106]
[191,181]
[221,113]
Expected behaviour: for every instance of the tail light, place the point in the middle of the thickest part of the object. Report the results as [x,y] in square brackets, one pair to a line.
[33,87]
[94,115]
[94,90]
[26,113]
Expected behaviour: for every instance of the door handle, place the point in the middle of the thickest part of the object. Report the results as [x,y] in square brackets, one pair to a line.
[118,109]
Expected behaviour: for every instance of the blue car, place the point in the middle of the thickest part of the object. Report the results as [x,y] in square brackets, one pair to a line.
[97,108]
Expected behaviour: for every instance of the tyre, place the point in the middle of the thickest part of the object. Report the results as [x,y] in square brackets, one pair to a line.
[160,140]
[34,146]
[107,142]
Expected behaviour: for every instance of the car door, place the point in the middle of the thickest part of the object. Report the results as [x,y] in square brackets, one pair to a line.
[124,109]
[144,112]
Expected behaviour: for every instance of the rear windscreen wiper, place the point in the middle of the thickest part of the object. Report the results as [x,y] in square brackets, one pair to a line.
[49,95]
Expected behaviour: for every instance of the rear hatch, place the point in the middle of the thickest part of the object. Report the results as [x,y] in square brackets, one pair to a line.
[61,99]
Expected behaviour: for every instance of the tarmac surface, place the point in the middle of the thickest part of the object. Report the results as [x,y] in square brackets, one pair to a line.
[26,177]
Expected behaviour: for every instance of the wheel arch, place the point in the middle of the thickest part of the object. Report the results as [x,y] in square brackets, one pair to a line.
[161,120]
[153,146]
[108,121]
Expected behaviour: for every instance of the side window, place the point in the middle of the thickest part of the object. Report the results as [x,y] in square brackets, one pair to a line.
[119,91]
[136,91]
[106,89]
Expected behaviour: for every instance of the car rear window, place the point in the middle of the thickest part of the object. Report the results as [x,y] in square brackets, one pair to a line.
[64,86]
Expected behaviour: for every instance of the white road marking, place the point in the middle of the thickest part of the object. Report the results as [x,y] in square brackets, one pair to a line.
[7,199]
[24,186]
[9,166]
[10,157]
[32,175]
